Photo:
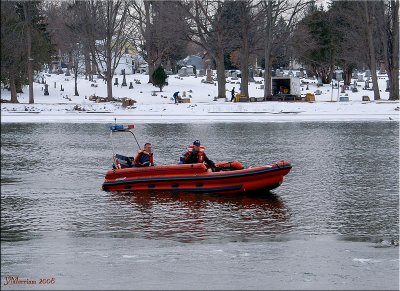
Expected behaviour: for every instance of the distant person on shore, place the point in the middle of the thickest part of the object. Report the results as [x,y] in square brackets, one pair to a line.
[233,94]
[195,154]
[176,96]
[145,157]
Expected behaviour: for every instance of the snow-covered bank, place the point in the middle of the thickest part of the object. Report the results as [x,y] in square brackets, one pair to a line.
[267,111]
[154,106]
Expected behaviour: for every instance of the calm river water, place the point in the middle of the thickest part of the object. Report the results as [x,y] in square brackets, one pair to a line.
[333,224]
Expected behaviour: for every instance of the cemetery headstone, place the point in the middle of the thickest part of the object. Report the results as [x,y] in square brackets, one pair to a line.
[46,89]
[360,78]
[130,85]
[319,83]
[209,78]
[301,73]
[367,73]
[55,84]
[234,76]
[116,81]
[251,74]
[62,89]
[123,79]
[67,73]
[382,69]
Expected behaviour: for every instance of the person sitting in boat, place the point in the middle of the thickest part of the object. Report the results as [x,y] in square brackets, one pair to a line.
[145,157]
[195,154]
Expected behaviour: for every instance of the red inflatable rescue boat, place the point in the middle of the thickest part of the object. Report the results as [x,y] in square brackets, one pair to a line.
[230,177]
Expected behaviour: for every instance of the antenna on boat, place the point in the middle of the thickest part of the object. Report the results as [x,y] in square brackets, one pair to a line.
[136,140]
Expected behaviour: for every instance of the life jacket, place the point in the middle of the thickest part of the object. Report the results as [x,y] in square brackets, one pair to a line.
[143,152]
[200,154]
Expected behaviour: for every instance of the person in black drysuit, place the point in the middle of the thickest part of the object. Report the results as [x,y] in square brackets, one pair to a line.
[233,94]
[176,96]
[194,154]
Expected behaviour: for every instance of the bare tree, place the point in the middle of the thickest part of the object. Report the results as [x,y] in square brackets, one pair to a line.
[209,30]
[246,38]
[274,10]
[388,27]
[108,32]
[370,21]
[162,33]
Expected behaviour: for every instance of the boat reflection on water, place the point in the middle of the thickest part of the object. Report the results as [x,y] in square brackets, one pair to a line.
[189,217]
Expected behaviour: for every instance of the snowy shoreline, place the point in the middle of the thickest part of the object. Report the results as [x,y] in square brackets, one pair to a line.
[62,106]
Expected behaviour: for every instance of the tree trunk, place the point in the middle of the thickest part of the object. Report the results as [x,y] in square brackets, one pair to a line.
[27,14]
[394,53]
[347,76]
[371,50]
[267,52]
[13,89]
[221,73]
[149,49]
[76,78]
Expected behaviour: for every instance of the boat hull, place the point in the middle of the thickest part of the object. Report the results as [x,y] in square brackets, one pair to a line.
[195,178]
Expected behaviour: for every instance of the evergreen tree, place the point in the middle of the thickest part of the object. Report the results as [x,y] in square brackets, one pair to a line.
[159,76]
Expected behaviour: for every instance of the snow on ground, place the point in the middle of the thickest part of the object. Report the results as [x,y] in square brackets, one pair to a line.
[63,106]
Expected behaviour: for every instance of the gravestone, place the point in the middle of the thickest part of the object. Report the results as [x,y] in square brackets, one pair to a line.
[342,87]
[55,84]
[62,89]
[67,73]
[382,69]
[339,76]
[130,85]
[234,76]
[201,72]
[251,75]
[273,73]
[366,85]
[46,89]
[183,72]
[365,98]
[209,78]
[123,79]
[360,78]
[116,81]
[354,75]
[279,73]
[367,74]
[290,74]
[319,82]
[301,73]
